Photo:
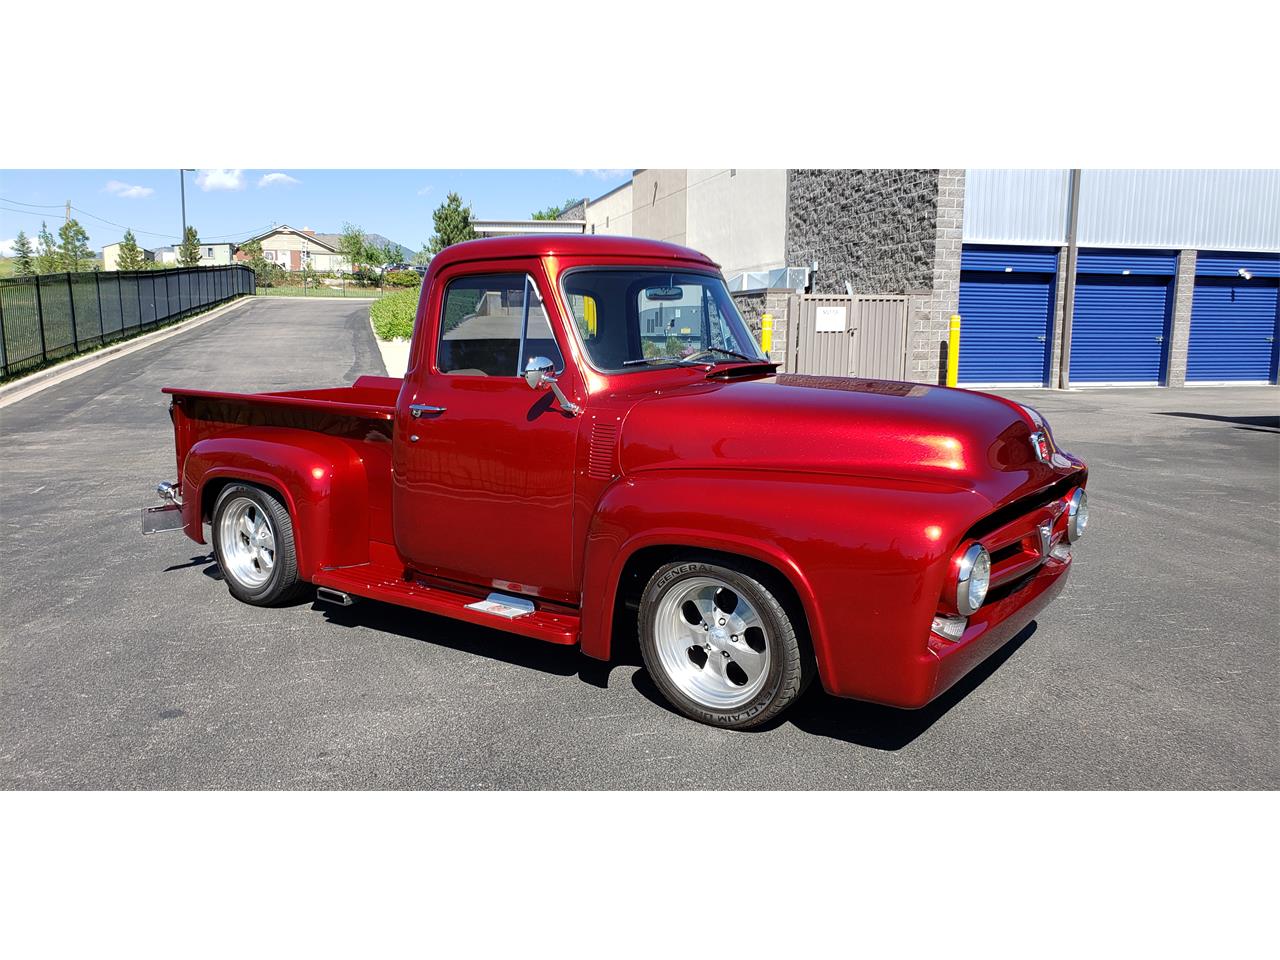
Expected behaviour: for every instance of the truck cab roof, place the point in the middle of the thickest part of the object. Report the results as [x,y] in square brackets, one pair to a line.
[568,245]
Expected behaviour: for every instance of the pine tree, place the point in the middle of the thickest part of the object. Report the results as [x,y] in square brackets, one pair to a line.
[23,257]
[130,256]
[74,246]
[189,249]
[48,258]
[453,223]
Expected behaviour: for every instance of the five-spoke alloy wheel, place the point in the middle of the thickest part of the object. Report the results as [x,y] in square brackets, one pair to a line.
[720,644]
[253,543]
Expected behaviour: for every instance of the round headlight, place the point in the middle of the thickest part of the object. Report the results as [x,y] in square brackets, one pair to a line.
[1077,515]
[973,579]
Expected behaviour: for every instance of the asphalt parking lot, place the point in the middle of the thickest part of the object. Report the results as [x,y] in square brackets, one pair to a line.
[124,663]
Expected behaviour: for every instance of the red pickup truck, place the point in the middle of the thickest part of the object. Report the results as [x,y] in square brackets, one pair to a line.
[587,429]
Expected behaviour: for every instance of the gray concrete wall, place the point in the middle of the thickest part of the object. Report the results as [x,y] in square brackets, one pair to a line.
[612,214]
[658,205]
[738,217]
[1184,288]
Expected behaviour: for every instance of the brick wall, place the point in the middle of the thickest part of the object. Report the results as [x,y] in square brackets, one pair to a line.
[872,228]
[754,304]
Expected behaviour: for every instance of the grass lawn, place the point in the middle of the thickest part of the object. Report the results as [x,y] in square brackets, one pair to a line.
[352,291]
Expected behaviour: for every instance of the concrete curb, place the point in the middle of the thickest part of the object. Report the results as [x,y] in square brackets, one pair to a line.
[395,353]
[29,386]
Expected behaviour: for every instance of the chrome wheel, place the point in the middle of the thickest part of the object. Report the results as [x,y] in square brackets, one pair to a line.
[712,643]
[248,543]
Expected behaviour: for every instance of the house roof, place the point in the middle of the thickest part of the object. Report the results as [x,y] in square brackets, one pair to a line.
[285,228]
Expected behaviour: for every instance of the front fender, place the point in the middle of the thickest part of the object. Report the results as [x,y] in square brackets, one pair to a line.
[867,558]
[320,478]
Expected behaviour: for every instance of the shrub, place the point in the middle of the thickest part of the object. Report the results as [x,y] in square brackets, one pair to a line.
[393,315]
[402,278]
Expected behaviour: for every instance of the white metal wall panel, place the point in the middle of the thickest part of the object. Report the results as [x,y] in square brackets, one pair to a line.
[1178,209]
[1223,209]
[1016,206]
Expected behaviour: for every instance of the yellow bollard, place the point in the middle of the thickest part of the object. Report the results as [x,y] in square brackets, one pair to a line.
[766,333]
[953,351]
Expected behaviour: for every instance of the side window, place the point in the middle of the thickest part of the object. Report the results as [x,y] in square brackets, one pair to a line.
[485,322]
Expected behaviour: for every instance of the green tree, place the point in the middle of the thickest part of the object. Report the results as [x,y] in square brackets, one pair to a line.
[73,242]
[553,213]
[391,253]
[48,257]
[189,249]
[352,245]
[24,258]
[268,273]
[423,256]
[453,224]
[130,256]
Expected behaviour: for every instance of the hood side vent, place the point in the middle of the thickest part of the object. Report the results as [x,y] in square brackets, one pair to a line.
[602,453]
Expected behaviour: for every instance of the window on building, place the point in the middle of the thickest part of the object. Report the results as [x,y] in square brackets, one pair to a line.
[269,254]
[492,325]
[208,251]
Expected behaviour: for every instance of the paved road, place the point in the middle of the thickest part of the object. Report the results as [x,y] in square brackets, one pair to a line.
[124,663]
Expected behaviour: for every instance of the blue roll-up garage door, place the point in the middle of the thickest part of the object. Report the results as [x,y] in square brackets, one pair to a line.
[1235,317]
[1006,309]
[1120,323]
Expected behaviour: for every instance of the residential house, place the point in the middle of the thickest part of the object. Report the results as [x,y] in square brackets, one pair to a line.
[294,249]
[211,255]
[111,255]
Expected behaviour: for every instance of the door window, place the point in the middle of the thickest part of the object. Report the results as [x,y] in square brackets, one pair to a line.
[491,325]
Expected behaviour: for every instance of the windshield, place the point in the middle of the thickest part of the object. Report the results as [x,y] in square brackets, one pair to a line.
[633,319]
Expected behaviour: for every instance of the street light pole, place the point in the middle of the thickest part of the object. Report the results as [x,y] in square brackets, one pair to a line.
[182,180]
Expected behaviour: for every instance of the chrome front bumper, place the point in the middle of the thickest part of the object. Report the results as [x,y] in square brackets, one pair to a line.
[167,516]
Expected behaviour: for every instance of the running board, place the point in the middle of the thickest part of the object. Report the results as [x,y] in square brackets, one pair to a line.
[497,611]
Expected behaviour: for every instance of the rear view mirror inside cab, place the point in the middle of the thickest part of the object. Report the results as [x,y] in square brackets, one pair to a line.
[663,293]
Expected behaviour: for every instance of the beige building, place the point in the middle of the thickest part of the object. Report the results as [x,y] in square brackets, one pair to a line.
[211,255]
[736,217]
[111,256]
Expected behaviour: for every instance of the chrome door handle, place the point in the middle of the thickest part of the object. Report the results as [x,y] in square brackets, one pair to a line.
[419,410]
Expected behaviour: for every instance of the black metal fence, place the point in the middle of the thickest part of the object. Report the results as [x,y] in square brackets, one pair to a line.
[57,315]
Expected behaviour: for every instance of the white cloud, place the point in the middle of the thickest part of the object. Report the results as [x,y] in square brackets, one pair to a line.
[220,180]
[424,191]
[6,247]
[128,191]
[273,178]
[602,174]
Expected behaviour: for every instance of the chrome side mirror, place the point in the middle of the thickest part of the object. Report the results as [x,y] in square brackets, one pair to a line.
[539,374]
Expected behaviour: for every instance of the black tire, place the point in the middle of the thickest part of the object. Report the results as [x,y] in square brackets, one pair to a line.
[283,584]
[791,667]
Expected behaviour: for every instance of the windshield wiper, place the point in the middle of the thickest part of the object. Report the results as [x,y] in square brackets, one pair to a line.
[730,353]
[632,363]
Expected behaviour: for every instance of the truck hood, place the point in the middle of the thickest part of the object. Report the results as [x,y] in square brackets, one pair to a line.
[877,429]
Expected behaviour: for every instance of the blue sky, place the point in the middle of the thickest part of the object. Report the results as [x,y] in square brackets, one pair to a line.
[234,204]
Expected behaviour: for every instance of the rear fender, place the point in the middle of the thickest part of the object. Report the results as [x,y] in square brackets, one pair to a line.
[320,479]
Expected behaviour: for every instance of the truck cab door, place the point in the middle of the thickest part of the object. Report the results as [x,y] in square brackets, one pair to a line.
[483,464]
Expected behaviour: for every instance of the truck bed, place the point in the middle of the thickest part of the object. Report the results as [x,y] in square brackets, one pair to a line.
[369,397]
